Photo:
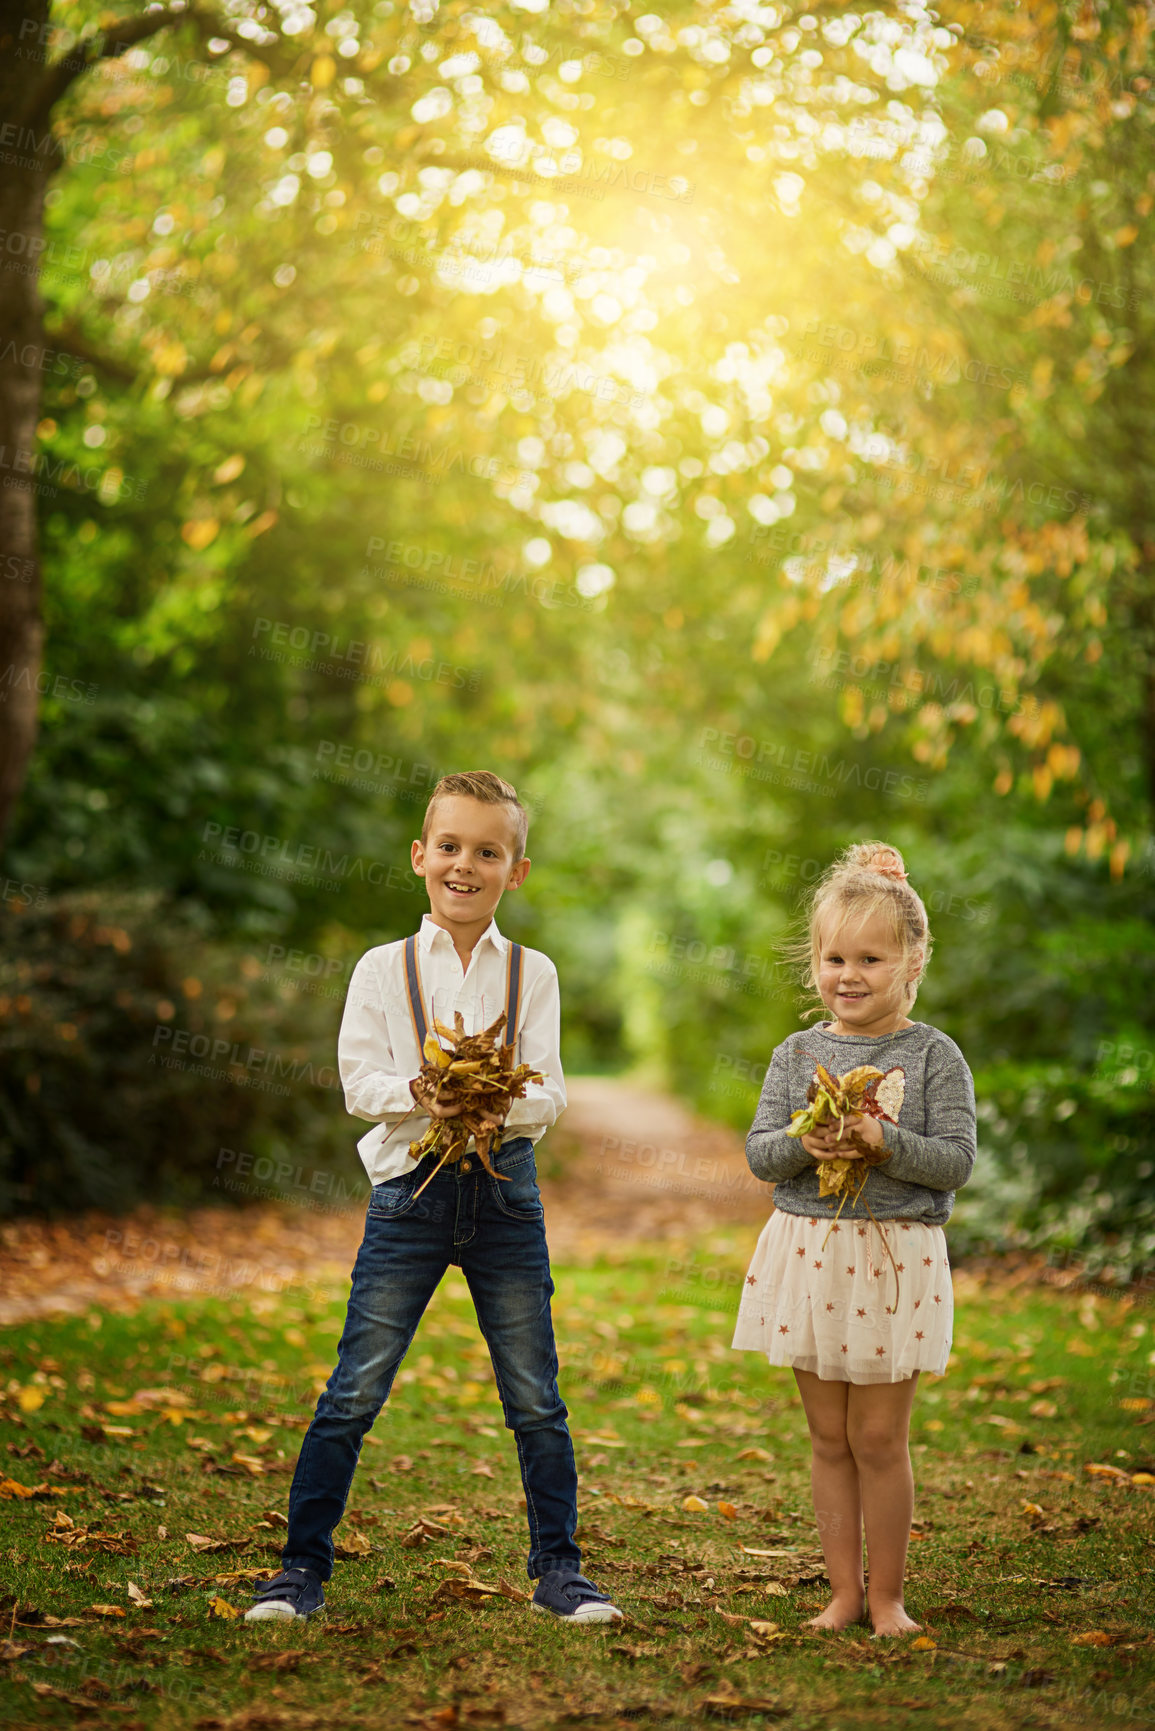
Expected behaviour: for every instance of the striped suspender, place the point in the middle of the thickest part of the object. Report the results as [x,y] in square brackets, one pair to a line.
[413,990]
[513,995]
[417,1005]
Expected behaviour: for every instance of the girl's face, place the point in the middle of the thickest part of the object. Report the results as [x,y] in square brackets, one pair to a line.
[862,978]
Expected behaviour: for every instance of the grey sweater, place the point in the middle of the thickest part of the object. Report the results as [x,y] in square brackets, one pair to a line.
[924,1170]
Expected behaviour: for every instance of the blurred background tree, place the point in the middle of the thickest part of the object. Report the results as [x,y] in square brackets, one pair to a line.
[726,423]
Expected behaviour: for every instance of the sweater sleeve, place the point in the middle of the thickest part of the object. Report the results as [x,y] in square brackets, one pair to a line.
[945,1160]
[770,1153]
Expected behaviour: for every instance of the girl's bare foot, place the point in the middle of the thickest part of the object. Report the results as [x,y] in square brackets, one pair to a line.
[843,1609]
[889,1618]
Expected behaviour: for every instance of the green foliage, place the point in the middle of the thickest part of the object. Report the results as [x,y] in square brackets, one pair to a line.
[134,1051]
[798,497]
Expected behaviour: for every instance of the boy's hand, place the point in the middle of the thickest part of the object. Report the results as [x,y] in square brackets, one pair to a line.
[423,1094]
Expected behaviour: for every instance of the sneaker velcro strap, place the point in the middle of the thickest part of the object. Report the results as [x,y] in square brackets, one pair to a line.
[577,1587]
[284,1586]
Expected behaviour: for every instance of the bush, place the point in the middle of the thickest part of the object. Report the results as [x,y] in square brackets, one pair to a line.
[126,1069]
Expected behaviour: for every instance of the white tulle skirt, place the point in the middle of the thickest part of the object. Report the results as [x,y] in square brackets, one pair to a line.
[828,1299]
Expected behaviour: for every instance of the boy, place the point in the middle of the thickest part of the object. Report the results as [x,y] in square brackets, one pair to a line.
[472,849]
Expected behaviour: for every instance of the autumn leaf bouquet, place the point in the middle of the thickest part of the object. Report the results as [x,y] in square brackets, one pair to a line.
[473,1073]
[864,1091]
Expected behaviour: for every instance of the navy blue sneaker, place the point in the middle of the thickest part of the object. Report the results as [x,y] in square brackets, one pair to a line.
[565,1593]
[293,1593]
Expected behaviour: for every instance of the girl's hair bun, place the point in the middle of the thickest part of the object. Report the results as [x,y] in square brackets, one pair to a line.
[877,856]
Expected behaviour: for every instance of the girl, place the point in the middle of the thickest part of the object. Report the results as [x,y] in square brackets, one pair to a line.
[859,1305]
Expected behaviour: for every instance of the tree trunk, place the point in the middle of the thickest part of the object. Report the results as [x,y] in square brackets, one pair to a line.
[27,158]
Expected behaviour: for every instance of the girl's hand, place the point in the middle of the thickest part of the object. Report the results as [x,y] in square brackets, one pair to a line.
[824,1142]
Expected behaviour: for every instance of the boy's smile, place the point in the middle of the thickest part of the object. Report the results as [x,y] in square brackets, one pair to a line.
[861,978]
[468,862]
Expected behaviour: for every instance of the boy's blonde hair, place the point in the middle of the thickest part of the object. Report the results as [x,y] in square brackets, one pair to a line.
[480,784]
[866,879]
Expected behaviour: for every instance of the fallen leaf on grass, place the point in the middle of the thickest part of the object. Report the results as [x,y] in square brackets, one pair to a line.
[105,1611]
[64,1531]
[1035,1679]
[694,1505]
[138,1598]
[10,1650]
[755,1454]
[728,1511]
[83,1703]
[282,1661]
[221,1608]
[951,1613]
[453,1715]
[597,1536]
[722,1706]
[481,1470]
[1096,1638]
[421,1532]
[351,1545]
[14,1490]
[924,1644]
[1103,1470]
[470,1592]
[265,1719]
[203,1543]
[250,1464]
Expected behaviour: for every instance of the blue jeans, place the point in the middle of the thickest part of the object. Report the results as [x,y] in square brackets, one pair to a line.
[495,1233]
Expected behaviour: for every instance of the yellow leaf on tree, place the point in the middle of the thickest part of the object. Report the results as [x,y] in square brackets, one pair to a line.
[200,532]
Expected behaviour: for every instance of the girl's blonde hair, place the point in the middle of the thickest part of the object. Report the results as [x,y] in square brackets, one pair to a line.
[866,879]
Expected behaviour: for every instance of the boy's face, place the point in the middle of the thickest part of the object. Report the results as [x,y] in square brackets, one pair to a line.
[467,861]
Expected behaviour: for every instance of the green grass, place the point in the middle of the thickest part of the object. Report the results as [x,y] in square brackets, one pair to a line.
[1021,1549]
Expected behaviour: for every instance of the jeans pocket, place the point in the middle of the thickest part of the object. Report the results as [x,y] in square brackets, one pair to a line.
[516,1189]
[394,1196]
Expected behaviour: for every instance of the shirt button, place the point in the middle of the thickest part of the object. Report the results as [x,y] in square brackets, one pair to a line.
[467,1165]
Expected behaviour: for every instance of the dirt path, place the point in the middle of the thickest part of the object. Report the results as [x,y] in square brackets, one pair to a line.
[626,1165]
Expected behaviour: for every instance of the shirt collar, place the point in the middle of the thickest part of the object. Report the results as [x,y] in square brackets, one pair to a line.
[431,933]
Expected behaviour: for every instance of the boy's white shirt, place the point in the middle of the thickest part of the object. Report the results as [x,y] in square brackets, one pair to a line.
[377,1051]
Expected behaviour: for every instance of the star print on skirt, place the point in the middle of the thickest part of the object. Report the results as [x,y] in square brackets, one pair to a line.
[832,1310]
